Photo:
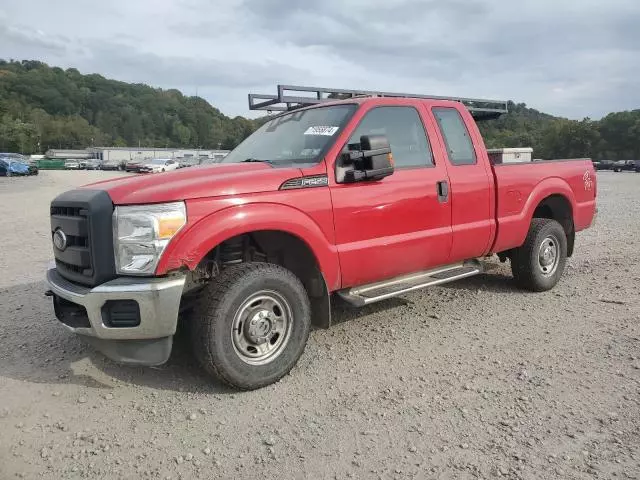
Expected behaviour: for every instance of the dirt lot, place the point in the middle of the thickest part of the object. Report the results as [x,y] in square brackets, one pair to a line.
[472,380]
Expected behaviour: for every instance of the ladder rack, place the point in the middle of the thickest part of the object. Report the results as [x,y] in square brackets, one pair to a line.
[293,97]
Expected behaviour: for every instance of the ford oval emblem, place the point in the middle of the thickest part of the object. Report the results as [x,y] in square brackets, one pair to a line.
[60,240]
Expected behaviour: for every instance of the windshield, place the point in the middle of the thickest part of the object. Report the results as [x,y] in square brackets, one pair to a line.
[296,138]
[159,161]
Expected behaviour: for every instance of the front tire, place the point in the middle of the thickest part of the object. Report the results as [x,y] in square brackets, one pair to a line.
[251,325]
[539,263]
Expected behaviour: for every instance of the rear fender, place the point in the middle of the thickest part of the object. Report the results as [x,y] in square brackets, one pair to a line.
[513,229]
[192,245]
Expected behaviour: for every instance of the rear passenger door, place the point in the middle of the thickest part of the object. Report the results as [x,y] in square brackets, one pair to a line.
[472,216]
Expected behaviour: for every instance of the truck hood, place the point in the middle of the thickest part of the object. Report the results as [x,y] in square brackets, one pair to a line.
[196,182]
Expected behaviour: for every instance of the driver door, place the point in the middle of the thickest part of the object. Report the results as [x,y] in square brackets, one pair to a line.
[399,224]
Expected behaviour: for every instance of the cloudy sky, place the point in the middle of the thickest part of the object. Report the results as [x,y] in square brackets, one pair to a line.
[573,58]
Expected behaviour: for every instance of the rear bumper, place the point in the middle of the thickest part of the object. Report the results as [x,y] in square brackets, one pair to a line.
[85,312]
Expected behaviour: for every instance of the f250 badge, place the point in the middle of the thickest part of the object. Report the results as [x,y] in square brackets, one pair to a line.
[588,181]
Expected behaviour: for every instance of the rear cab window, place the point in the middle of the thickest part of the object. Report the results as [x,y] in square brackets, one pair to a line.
[456,136]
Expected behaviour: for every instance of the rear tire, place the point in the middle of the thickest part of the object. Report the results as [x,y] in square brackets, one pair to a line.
[251,325]
[538,264]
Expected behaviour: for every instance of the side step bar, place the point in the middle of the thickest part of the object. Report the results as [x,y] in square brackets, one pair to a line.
[374,292]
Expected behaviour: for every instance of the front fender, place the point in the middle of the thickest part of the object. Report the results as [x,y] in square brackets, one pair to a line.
[513,227]
[190,246]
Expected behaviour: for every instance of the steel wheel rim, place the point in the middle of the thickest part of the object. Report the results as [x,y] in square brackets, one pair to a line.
[549,255]
[261,327]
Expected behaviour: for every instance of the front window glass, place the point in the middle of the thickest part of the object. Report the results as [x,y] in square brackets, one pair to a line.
[296,138]
[404,130]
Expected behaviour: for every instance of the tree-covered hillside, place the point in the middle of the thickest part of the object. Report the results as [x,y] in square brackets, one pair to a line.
[45,107]
[615,137]
[65,109]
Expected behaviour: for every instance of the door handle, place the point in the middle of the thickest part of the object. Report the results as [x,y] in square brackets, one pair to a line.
[442,187]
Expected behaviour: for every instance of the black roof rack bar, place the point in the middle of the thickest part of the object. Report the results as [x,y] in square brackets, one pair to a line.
[285,101]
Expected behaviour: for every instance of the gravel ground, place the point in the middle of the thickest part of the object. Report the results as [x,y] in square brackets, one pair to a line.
[472,380]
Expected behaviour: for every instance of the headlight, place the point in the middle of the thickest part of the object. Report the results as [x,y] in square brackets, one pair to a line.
[141,233]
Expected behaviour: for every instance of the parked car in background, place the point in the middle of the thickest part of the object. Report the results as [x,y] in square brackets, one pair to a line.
[12,168]
[33,167]
[19,162]
[109,166]
[186,163]
[603,164]
[4,168]
[133,166]
[72,165]
[90,164]
[628,165]
[158,165]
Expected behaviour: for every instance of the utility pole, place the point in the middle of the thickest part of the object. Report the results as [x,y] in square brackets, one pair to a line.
[197,129]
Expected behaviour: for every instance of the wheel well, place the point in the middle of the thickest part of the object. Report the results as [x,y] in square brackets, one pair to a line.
[278,247]
[558,208]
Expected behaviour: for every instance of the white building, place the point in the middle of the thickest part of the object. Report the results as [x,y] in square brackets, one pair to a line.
[126,154]
[55,153]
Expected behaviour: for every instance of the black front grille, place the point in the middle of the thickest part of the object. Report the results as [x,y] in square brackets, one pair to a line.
[70,267]
[84,216]
[77,241]
[66,211]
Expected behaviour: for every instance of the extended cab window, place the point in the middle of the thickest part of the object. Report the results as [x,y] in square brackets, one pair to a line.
[404,130]
[456,136]
[299,138]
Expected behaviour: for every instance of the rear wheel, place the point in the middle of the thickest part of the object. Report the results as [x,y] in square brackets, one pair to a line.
[539,263]
[251,325]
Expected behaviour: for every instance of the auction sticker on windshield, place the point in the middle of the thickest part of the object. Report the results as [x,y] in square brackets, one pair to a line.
[321,130]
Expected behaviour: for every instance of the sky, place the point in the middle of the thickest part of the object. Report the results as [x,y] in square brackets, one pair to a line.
[573,58]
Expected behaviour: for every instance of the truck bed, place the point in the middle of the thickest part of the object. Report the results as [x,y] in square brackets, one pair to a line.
[521,187]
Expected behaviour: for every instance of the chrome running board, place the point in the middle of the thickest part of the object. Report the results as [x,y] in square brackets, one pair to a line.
[375,292]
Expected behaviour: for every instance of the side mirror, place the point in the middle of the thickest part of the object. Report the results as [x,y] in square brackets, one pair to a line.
[373,161]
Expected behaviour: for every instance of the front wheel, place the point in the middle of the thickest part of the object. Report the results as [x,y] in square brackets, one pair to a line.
[538,264]
[251,325]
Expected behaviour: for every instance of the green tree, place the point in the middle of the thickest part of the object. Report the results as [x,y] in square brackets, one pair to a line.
[65,109]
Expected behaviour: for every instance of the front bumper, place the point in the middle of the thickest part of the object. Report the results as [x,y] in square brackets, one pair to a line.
[148,342]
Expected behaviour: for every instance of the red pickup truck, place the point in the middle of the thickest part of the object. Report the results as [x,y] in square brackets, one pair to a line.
[366,198]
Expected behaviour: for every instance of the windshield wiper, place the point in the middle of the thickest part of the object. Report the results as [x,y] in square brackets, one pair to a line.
[251,160]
